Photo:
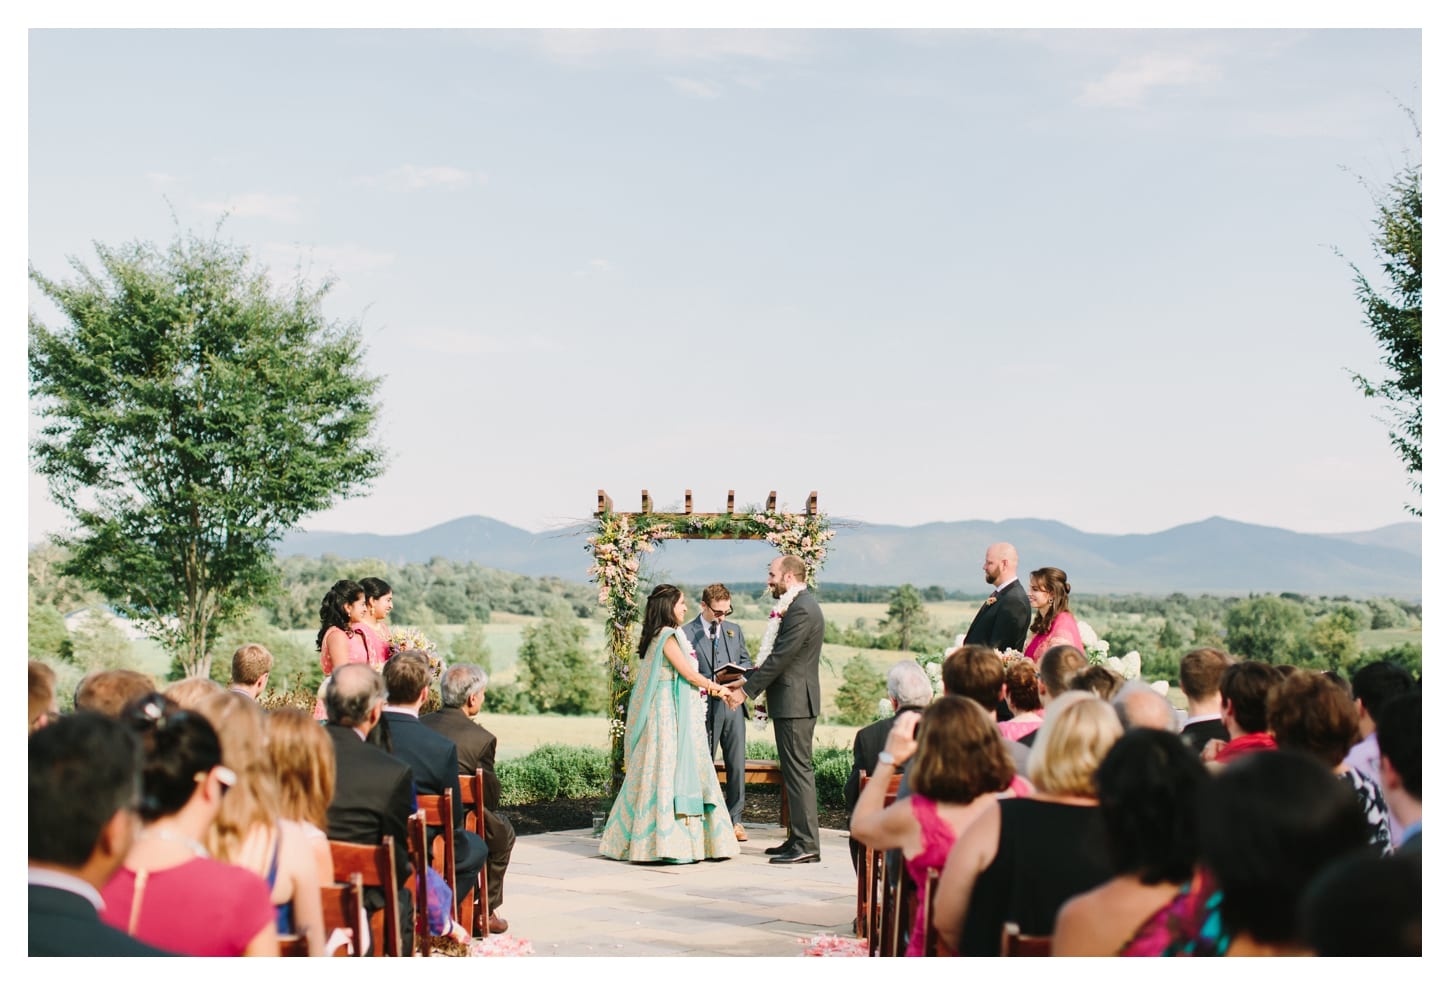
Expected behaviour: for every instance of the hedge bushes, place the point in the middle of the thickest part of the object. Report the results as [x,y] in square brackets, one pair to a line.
[553,771]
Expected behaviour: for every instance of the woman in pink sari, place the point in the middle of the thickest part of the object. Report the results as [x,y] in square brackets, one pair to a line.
[1054,624]
[339,641]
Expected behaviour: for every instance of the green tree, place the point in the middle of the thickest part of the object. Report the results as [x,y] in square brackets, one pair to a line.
[190,417]
[470,646]
[1393,315]
[554,668]
[1266,628]
[47,636]
[906,621]
[862,688]
[99,644]
[1333,640]
[1169,638]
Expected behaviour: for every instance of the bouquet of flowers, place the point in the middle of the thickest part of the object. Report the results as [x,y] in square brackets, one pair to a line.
[405,638]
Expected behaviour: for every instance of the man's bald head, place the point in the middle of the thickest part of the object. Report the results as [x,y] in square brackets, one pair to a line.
[1000,565]
[353,693]
[1140,706]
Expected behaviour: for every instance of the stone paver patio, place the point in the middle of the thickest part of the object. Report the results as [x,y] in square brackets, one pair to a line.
[568,900]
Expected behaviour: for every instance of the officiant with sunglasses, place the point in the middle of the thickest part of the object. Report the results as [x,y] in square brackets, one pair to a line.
[720,648]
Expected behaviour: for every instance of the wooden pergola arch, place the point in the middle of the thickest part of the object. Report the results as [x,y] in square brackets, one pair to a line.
[621,534]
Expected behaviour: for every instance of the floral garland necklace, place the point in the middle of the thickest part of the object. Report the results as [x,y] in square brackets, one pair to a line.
[772,627]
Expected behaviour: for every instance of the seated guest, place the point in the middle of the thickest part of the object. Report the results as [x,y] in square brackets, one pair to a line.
[1099,680]
[1055,671]
[909,690]
[1400,744]
[977,673]
[374,792]
[107,692]
[306,770]
[1372,686]
[1308,712]
[170,892]
[1364,907]
[1244,690]
[961,764]
[462,689]
[432,757]
[76,843]
[1139,706]
[1267,825]
[1147,785]
[250,831]
[1199,674]
[42,695]
[251,667]
[1024,701]
[188,692]
[1023,858]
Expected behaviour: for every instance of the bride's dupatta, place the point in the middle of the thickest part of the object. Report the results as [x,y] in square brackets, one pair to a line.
[689,785]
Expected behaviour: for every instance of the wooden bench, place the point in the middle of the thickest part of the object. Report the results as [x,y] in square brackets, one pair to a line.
[766,771]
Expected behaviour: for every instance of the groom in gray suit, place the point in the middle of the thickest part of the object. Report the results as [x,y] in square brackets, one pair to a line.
[790,677]
[717,644]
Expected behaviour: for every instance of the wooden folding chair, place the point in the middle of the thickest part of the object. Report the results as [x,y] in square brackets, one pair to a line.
[932,946]
[342,909]
[899,912]
[1016,944]
[870,878]
[373,864]
[418,855]
[473,906]
[292,946]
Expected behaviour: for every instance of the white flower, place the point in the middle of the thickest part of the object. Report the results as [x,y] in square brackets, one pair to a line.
[883,708]
[1089,637]
[1161,687]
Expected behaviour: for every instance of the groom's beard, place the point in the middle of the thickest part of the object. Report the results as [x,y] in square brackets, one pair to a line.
[777,591]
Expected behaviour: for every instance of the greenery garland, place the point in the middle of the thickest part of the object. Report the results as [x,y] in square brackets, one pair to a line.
[618,541]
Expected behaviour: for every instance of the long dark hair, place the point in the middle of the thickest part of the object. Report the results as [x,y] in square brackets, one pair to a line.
[659,612]
[345,592]
[1054,583]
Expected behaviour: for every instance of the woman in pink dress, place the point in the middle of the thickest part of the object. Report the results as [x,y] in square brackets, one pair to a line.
[959,766]
[373,624]
[338,641]
[1023,700]
[1054,624]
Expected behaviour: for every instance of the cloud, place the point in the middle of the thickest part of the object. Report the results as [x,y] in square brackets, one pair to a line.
[464,342]
[319,260]
[1133,79]
[259,205]
[694,87]
[581,48]
[410,177]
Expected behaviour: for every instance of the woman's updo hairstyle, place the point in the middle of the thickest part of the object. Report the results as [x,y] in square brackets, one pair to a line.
[374,588]
[344,592]
[177,745]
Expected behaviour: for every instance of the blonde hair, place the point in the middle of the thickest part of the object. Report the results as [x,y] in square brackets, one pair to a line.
[190,691]
[1076,733]
[252,803]
[305,763]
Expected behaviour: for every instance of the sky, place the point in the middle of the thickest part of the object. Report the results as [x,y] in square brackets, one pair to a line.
[1094,276]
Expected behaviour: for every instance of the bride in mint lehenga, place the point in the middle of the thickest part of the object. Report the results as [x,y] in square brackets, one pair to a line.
[670,808]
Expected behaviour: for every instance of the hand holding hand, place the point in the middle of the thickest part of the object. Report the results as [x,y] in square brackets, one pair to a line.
[734,697]
[1210,750]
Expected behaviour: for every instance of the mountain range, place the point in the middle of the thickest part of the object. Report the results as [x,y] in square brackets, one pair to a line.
[1214,556]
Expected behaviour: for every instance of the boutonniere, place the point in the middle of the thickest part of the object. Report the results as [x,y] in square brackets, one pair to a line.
[730,633]
[991,600]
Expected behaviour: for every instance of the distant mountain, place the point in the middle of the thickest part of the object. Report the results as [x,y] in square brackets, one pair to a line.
[1214,556]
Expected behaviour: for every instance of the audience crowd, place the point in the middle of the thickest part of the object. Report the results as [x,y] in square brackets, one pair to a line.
[1280,814]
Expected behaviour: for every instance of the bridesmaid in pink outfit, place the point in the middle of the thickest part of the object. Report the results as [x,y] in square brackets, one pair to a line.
[1054,624]
[338,640]
[373,624]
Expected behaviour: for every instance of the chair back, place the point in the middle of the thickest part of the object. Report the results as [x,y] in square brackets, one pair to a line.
[473,903]
[418,855]
[932,946]
[1016,944]
[342,909]
[871,890]
[471,786]
[292,946]
[374,865]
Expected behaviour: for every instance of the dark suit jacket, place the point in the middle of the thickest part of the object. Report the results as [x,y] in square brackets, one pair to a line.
[1197,734]
[65,925]
[729,648]
[790,677]
[870,743]
[1003,624]
[373,797]
[476,746]
[431,756]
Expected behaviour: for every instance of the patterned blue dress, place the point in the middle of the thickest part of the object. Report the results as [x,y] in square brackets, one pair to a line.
[670,808]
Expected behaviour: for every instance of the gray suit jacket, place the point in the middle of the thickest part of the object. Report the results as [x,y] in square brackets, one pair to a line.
[729,648]
[790,677]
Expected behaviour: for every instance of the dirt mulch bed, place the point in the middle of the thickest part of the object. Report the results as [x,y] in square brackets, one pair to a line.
[762,806]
